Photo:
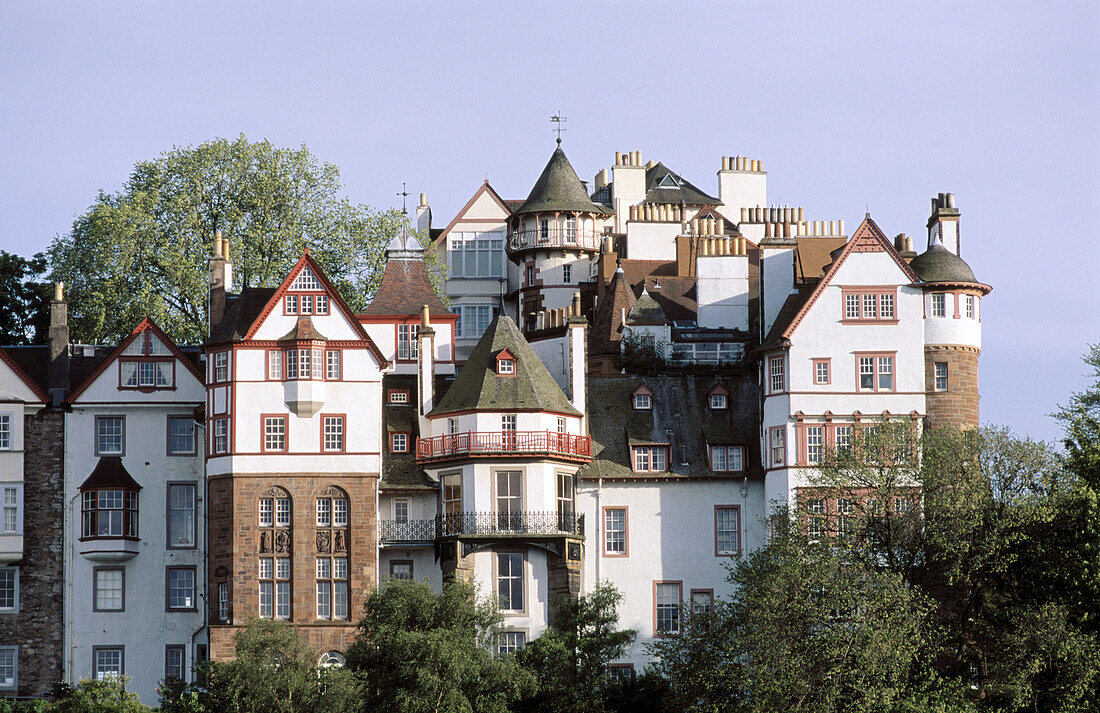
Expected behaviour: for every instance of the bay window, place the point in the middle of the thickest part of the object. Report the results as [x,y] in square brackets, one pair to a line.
[109,512]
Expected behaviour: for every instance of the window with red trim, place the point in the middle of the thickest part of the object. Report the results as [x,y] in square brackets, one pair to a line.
[333,434]
[822,369]
[649,459]
[506,363]
[874,371]
[642,398]
[274,433]
[727,459]
[869,304]
[777,377]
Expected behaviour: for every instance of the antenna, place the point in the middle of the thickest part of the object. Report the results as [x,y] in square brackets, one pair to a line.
[404,194]
[557,120]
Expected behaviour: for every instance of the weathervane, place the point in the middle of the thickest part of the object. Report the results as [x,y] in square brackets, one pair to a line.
[557,120]
[404,194]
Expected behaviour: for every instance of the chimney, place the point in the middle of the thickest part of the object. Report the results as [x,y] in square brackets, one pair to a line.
[943,224]
[424,216]
[57,375]
[220,274]
[578,359]
[425,372]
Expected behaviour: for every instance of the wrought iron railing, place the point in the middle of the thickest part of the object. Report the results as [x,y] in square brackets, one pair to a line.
[573,238]
[504,443]
[481,523]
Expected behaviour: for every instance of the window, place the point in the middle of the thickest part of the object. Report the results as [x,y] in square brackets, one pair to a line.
[305,363]
[274,576]
[510,581]
[939,304]
[506,367]
[275,433]
[274,512]
[108,589]
[221,435]
[307,305]
[324,512]
[110,435]
[544,229]
[477,254]
[180,589]
[173,662]
[702,601]
[727,458]
[650,459]
[509,499]
[333,433]
[221,366]
[727,530]
[399,443]
[776,380]
[869,304]
[223,601]
[643,402]
[9,668]
[401,569]
[306,280]
[473,320]
[561,424]
[334,365]
[181,436]
[619,673]
[406,341]
[718,401]
[290,304]
[615,532]
[12,522]
[181,514]
[401,510]
[815,444]
[530,275]
[511,642]
[566,505]
[5,431]
[902,505]
[968,302]
[452,503]
[567,274]
[332,512]
[282,512]
[778,445]
[842,438]
[452,426]
[109,513]
[570,230]
[876,372]
[508,422]
[940,376]
[107,662]
[399,396]
[332,588]
[667,601]
[9,590]
[821,372]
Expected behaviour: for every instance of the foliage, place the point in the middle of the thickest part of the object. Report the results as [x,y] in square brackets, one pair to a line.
[648,692]
[640,353]
[25,318]
[273,672]
[569,660]
[419,651]
[108,695]
[35,705]
[144,250]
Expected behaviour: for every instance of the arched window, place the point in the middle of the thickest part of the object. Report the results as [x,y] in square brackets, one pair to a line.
[332,659]
[332,508]
[274,521]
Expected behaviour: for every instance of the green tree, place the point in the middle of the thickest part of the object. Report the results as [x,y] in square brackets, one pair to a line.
[569,660]
[97,696]
[25,318]
[417,651]
[144,250]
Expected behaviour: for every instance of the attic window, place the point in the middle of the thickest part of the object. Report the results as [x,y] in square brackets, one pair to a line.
[306,281]
[718,401]
[642,398]
[669,181]
[506,363]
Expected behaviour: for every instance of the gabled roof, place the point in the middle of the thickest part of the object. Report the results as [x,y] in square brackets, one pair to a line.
[559,188]
[478,387]
[606,331]
[20,374]
[484,189]
[867,238]
[664,186]
[405,285]
[241,312]
[146,324]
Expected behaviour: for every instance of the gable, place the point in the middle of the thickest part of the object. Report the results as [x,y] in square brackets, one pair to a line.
[15,385]
[485,206]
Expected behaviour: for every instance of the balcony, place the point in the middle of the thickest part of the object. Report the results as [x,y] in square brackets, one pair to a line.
[504,443]
[412,532]
[554,237]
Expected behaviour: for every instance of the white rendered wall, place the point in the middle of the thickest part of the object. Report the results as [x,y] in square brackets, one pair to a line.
[627,189]
[777,277]
[954,327]
[742,189]
[650,240]
[536,594]
[722,289]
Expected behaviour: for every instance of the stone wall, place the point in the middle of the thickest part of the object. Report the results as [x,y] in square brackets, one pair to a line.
[958,406]
[38,627]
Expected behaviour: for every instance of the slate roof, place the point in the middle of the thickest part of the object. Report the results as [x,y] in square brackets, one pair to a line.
[681,417]
[790,309]
[478,387]
[404,289]
[658,177]
[110,473]
[606,331]
[400,470]
[938,264]
[645,310]
[241,312]
[559,188]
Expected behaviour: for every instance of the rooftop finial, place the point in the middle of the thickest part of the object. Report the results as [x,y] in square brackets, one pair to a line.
[557,120]
[404,195]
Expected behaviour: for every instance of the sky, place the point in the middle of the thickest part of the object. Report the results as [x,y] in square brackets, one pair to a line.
[852,107]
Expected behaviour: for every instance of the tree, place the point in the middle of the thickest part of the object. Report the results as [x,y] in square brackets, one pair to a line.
[418,652]
[569,660]
[273,672]
[25,318]
[97,696]
[143,251]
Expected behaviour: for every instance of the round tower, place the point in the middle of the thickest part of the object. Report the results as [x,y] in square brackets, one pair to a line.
[553,240]
[952,325]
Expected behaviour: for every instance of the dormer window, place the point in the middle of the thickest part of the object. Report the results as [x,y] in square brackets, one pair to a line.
[642,398]
[315,303]
[146,364]
[506,363]
[718,398]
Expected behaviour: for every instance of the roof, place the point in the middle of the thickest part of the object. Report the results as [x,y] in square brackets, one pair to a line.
[665,186]
[303,330]
[559,189]
[606,331]
[815,254]
[645,310]
[110,473]
[478,387]
[680,417]
[240,313]
[938,264]
[787,313]
[404,289]
[400,470]
[30,365]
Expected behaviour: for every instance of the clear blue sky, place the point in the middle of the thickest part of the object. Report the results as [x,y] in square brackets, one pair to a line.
[850,105]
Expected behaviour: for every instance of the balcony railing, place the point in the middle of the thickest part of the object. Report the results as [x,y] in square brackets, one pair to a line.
[504,443]
[570,238]
[481,523]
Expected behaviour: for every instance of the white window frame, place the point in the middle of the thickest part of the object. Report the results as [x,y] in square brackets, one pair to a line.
[14,576]
[726,530]
[11,684]
[938,304]
[11,509]
[105,675]
[6,432]
[612,532]
[101,436]
[662,603]
[777,375]
[511,579]
[718,402]
[940,381]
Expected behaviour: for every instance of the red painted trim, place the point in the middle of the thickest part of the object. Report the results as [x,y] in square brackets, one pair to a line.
[603,531]
[263,432]
[6,358]
[485,188]
[828,362]
[680,619]
[893,374]
[740,545]
[343,433]
[391,392]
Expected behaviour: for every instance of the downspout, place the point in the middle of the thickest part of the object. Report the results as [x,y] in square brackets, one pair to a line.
[68,598]
[205,559]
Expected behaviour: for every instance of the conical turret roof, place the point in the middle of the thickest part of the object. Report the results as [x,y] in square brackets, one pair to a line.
[938,264]
[559,188]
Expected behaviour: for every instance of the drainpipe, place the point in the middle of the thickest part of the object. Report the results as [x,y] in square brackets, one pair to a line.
[205,560]
[67,602]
